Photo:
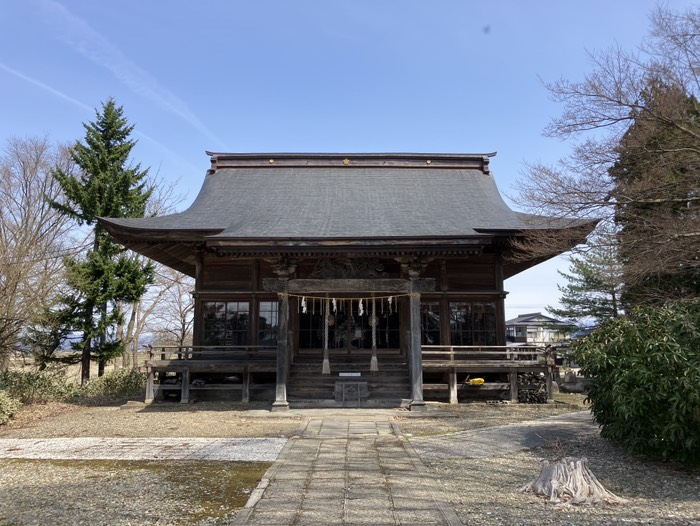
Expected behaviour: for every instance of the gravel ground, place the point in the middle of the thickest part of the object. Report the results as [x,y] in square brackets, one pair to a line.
[482,490]
[485,491]
[130,493]
[201,420]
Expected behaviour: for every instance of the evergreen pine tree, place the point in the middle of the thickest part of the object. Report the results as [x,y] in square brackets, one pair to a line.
[656,180]
[107,185]
[594,283]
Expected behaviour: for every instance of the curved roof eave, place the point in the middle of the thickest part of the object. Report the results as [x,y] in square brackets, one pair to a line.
[351,200]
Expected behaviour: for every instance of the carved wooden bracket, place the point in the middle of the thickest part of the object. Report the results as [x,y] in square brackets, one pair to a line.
[361,286]
[413,266]
[283,266]
[348,268]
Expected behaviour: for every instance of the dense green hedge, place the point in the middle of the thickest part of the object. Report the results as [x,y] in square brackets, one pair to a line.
[8,407]
[38,387]
[645,371]
[118,383]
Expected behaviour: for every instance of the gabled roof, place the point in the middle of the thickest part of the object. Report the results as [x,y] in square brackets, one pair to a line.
[252,203]
[536,319]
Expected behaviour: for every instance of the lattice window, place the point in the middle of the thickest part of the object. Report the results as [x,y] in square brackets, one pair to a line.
[268,323]
[430,323]
[225,322]
[472,323]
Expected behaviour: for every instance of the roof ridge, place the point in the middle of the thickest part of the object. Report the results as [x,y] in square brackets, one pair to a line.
[474,161]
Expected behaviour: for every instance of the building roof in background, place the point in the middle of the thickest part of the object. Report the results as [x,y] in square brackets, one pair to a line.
[536,319]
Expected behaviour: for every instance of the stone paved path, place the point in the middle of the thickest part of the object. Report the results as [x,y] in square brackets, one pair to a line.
[348,470]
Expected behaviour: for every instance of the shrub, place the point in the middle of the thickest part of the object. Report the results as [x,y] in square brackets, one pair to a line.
[645,372]
[118,383]
[8,407]
[38,387]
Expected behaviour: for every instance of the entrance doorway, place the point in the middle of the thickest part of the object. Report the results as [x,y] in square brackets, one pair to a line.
[346,326]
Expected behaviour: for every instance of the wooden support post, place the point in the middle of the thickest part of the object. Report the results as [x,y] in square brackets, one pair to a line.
[281,403]
[185,387]
[513,384]
[373,363]
[245,388]
[416,360]
[326,366]
[149,387]
[453,386]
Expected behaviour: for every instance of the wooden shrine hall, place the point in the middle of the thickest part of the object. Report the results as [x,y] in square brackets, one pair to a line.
[350,280]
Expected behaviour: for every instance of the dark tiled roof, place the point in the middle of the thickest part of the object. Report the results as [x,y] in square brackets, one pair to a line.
[535,319]
[405,198]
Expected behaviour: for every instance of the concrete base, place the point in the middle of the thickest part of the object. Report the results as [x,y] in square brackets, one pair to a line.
[418,407]
[133,404]
[279,406]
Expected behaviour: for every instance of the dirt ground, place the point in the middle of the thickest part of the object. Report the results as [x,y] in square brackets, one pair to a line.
[481,490]
[201,420]
[230,419]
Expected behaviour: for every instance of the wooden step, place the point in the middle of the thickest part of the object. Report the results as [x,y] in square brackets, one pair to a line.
[306,382]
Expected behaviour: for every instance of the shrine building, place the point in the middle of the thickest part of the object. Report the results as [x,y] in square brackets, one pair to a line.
[343,280]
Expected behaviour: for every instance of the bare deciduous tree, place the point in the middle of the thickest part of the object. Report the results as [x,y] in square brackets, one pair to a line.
[172,323]
[634,111]
[32,234]
[163,314]
[165,311]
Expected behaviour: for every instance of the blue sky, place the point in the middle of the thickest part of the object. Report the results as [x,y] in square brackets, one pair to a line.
[457,76]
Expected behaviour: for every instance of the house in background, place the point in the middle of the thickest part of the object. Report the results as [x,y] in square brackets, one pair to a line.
[536,328]
[328,278]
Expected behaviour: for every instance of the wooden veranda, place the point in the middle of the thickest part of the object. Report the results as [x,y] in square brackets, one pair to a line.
[184,371]
[498,361]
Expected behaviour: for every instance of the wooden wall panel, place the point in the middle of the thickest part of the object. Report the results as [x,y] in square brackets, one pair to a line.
[472,274]
[230,275]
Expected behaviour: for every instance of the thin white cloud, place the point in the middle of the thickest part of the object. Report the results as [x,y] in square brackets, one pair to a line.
[45,87]
[78,34]
[82,105]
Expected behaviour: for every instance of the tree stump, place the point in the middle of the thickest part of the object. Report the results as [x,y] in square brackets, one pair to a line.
[569,481]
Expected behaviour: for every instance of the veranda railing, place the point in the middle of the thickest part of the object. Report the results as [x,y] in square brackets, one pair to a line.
[489,359]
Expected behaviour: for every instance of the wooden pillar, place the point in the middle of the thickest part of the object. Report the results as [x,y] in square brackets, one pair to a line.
[500,304]
[149,386]
[453,386]
[326,366]
[513,384]
[373,363]
[245,388]
[415,358]
[198,286]
[185,386]
[280,403]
